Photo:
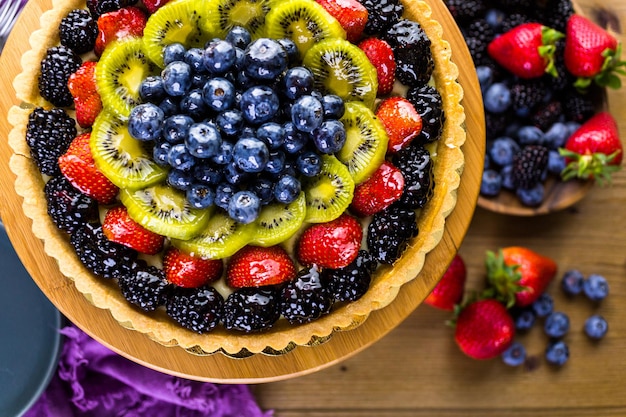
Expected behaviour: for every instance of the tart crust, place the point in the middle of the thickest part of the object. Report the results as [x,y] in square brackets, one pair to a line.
[386,282]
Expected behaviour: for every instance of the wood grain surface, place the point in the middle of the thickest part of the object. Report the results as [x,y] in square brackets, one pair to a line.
[417,370]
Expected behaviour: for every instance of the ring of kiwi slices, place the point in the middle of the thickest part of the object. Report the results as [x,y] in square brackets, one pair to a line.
[211,233]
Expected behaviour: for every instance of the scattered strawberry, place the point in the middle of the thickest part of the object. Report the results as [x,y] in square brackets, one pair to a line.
[120,228]
[484,329]
[594,150]
[119,24]
[351,15]
[526,50]
[449,290]
[190,271]
[256,266]
[381,56]
[519,275]
[82,86]
[402,122]
[379,191]
[592,54]
[154,5]
[331,245]
[78,166]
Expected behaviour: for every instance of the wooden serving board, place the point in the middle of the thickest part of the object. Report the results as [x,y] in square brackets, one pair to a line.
[220,368]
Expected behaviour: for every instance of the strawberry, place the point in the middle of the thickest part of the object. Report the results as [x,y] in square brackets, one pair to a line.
[484,329]
[594,150]
[190,271]
[526,50]
[351,15]
[518,275]
[119,24]
[379,191]
[402,122]
[331,245]
[82,86]
[154,5]
[449,290]
[256,266]
[381,56]
[592,54]
[120,228]
[78,166]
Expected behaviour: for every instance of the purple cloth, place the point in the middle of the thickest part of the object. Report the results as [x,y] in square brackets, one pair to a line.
[94,381]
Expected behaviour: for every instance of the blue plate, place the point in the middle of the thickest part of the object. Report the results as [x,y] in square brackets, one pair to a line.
[30,340]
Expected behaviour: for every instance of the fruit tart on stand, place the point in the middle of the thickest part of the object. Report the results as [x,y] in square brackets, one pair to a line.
[238,176]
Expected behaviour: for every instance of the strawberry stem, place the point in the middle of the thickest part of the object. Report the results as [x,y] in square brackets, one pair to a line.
[596,166]
[503,279]
[607,77]
[549,37]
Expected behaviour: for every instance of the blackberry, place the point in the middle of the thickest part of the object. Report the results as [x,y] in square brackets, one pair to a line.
[145,286]
[101,256]
[529,165]
[416,166]
[381,15]
[563,79]
[351,282]
[547,114]
[78,31]
[49,134]
[478,50]
[196,309]
[578,107]
[68,208]
[251,309]
[526,95]
[480,29]
[429,105]
[304,298]
[496,124]
[389,232]
[515,19]
[98,7]
[411,49]
[557,13]
[59,63]
[466,10]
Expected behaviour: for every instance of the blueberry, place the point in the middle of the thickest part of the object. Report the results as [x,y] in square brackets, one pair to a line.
[556,135]
[173,52]
[290,47]
[244,81]
[275,163]
[502,150]
[294,139]
[556,324]
[309,163]
[151,89]
[176,78]
[272,134]
[507,177]
[485,77]
[329,137]
[219,56]
[530,135]
[169,105]
[201,196]
[572,282]
[525,319]
[543,305]
[497,98]
[298,81]
[333,105]
[208,174]
[179,179]
[225,154]
[494,18]
[244,207]
[193,104]
[204,140]
[265,59]
[307,113]
[259,104]
[491,183]
[531,197]
[145,122]
[556,162]
[239,37]
[198,80]
[572,127]
[195,58]
[160,153]
[264,189]
[179,157]
[219,94]
[176,128]
[514,355]
[557,353]
[240,61]
[250,154]
[223,193]
[287,189]
[596,327]
[235,175]
[230,122]
[596,287]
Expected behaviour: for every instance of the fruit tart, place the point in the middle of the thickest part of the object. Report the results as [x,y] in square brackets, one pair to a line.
[233,175]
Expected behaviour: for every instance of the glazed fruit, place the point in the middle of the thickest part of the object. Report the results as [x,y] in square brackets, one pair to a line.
[401,121]
[305,298]
[145,286]
[58,65]
[119,227]
[48,135]
[379,191]
[82,87]
[188,271]
[255,266]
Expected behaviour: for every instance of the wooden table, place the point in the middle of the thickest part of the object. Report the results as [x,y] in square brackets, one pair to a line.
[417,369]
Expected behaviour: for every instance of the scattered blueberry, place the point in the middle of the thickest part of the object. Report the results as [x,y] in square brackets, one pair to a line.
[491,183]
[557,353]
[544,305]
[145,122]
[596,287]
[485,77]
[556,324]
[507,177]
[244,207]
[556,162]
[531,197]
[176,78]
[530,135]
[556,136]
[169,105]
[275,163]
[525,319]
[330,136]
[219,56]
[497,98]
[502,150]
[173,52]
[514,355]
[596,327]
[572,282]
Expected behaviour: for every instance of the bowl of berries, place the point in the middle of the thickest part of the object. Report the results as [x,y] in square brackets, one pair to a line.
[544,70]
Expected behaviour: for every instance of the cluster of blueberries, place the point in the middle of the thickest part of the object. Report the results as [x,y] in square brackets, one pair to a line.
[557,323]
[238,123]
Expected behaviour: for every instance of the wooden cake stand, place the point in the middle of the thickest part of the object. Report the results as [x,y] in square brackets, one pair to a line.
[137,347]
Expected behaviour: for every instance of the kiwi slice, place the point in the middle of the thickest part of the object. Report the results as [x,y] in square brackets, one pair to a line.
[165,210]
[329,193]
[250,14]
[366,141]
[181,21]
[277,222]
[303,21]
[119,73]
[220,238]
[342,68]
[122,159]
